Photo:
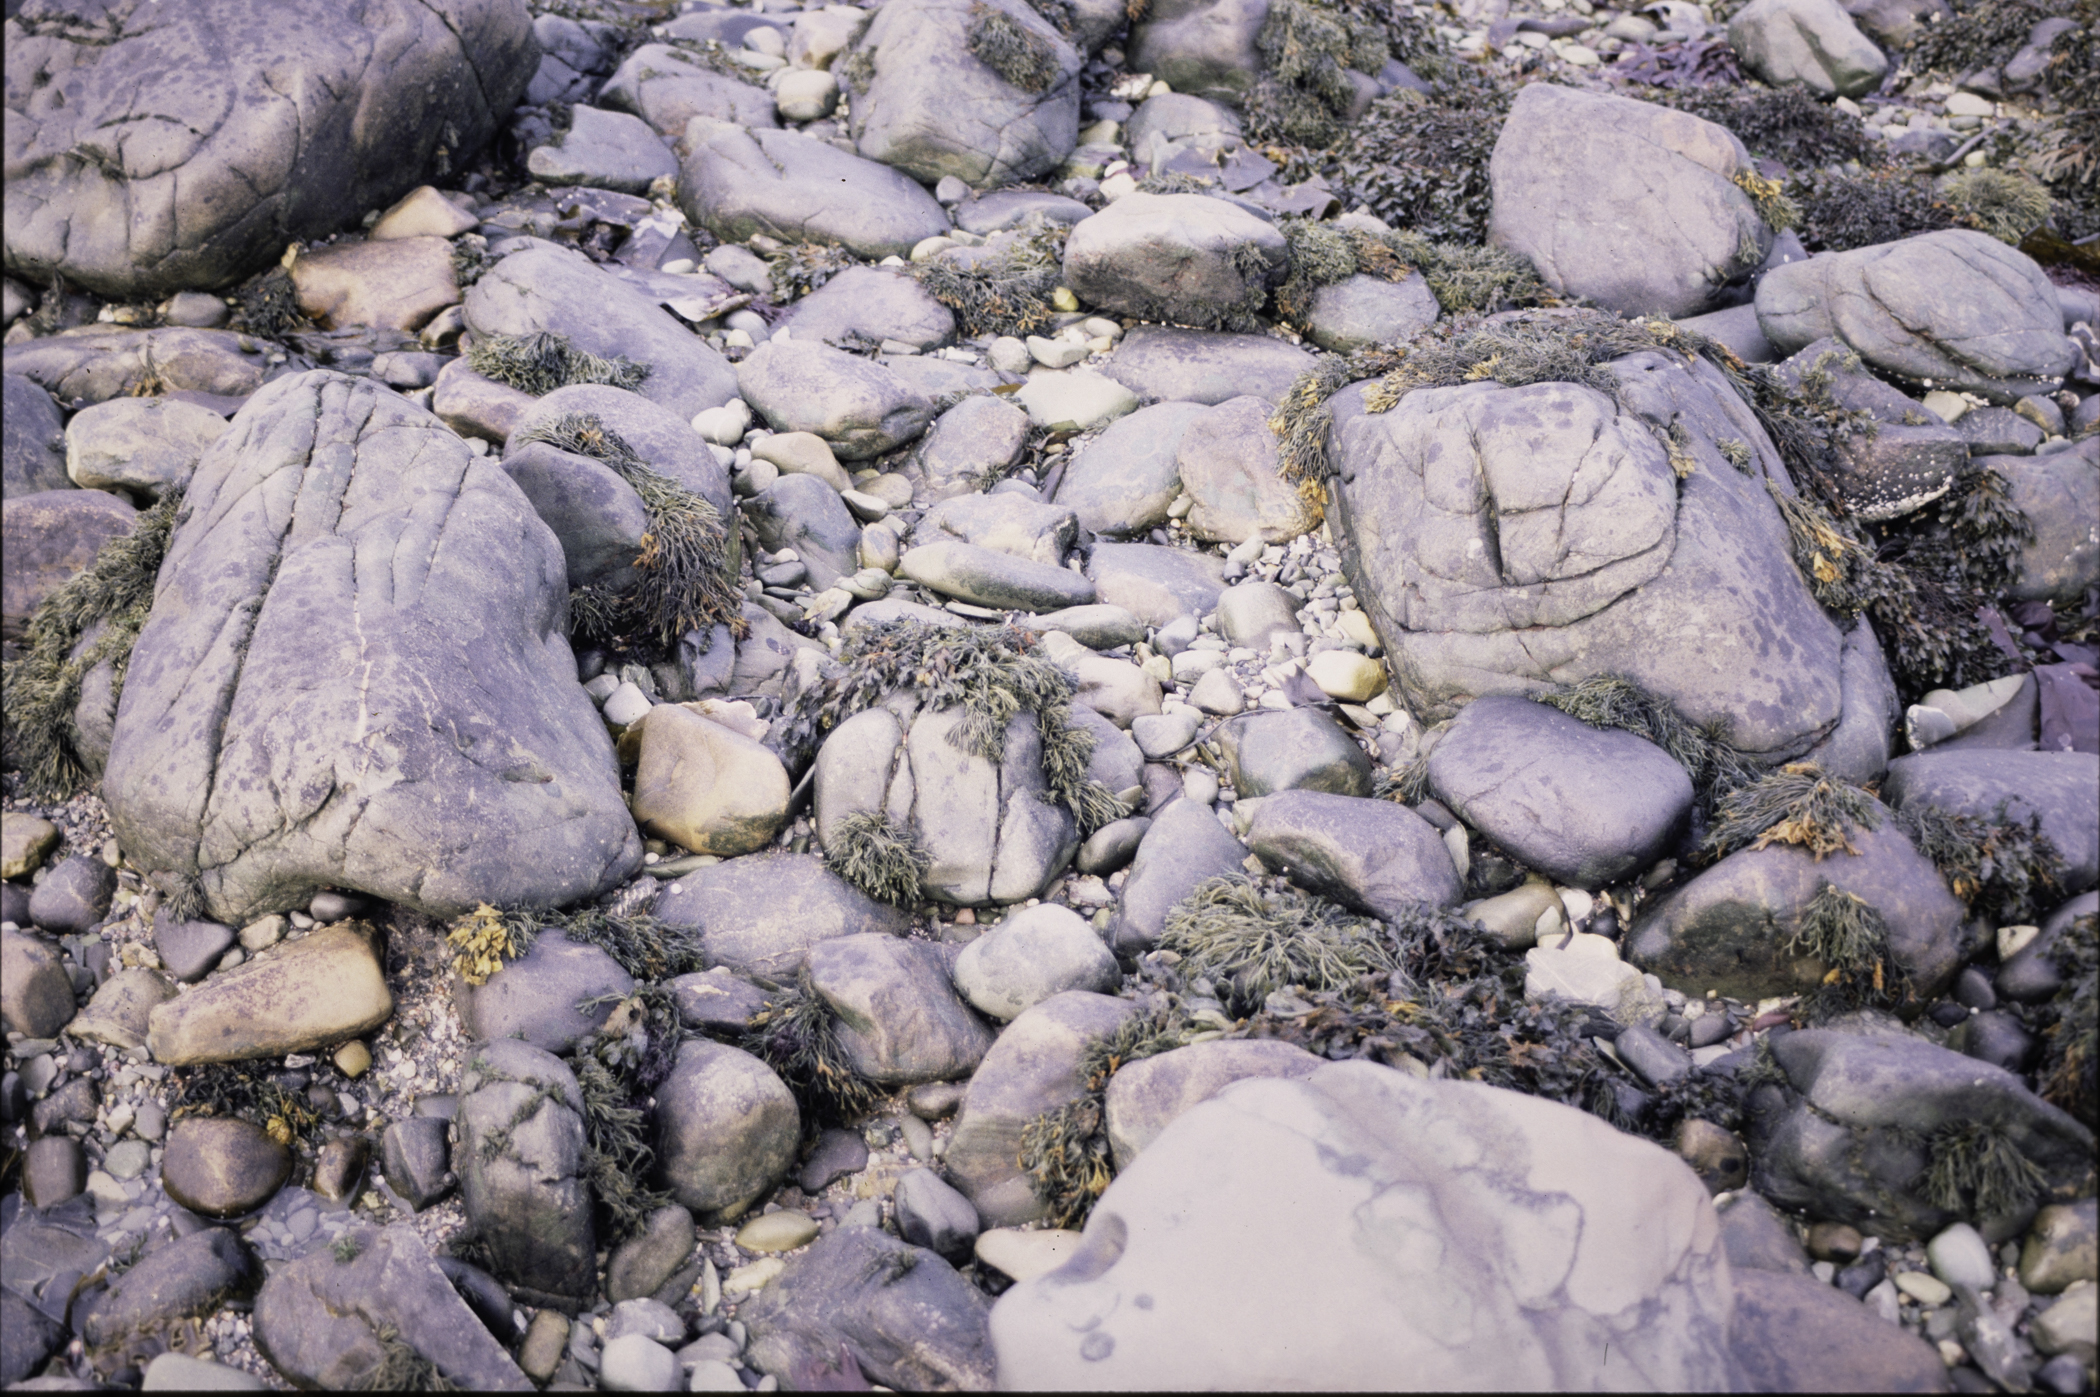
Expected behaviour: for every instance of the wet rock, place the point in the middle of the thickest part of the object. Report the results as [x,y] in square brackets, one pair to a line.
[36,994]
[2058,786]
[32,441]
[726,1129]
[707,788]
[760,915]
[302,995]
[222,1167]
[1810,42]
[522,1161]
[1373,856]
[50,537]
[2060,495]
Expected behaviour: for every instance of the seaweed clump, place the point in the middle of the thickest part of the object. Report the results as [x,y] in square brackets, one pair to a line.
[1461,277]
[1005,295]
[1786,124]
[1250,943]
[991,674]
[94,617]
[1421,163]
[1840,211]
[2006,871]
[1715,765]
[541,362]
[2070,1071]
[2005,204]
[249,1091]
[1065,1151]
[1977,1170]
[1797,804]
[796,1036]
[1303,95]
[1850,937]
[1021,57]
[267,304]
[487,938]
[688,563]
[881,857]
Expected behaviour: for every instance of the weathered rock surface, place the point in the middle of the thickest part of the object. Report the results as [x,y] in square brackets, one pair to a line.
[726,1129]
[1375,856]
[900,1021]
[522,1161]
[1147,1096]
[759,915]
[737,181]
[1179,257]
[323,988]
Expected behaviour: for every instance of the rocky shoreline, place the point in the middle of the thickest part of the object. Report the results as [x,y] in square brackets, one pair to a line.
[1295,694]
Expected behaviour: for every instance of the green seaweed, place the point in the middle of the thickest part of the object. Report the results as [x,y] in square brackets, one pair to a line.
[2006,871]
[797,1036]
[1421,162]
[1065,1152]
[1840,210]
[2003,203]
[541,362]
[1006,295]
[881,857]
[1851,938]
[2071,1032]
[1250,942]
[1797,804]
[1020,56]
[1978,1170]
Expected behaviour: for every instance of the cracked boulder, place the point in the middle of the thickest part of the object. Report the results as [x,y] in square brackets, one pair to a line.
[1181,257]
[985,825]
[523,1162]
[983,90]
[1956,309]
[357,675]
[157,148]
[1629,203]
[1459,1234]
[1511,540]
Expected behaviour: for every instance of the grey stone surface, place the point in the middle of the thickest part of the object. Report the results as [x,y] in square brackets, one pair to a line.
[1147,1096]
[300,995]
[667,89]
[416,1159]
[535,996]
[726,1129]
[901,1313]
[2056,785]
[1956,307]
[1421,1214]
[1184,846]
[75,895]
[1296,749]
[1582,805]
[1174,257]
[189,950]
[1857,749]
[900,1021]
[933,107]
[986,577]
[1909,458]
[50,536]
[1032,954]
[1727,928]
[760,914]
[933,1215]
[1001,209]
[207,183]
[1156,584]
[2060,495]
[222,1167]
[1365,310]
[859,407]
[1606,562]
[1033,1067]
[870,303]
[1230,470]
[1177,365]
[98,365]
[247,796]
[1375,856]
[1585,185]
[1205,48]
[803,513]
[978,437]
[1012,523]
[522,1168]
[1254,613]
[544,287]
[139,446]
[32,440]
[319,1320]
[604,149]
[1792,1333]
[596,516]
[1810,42]
[190,1276]
[736,182]
[1120,483]
[36,995]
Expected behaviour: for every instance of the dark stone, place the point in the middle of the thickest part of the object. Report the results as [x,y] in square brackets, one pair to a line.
[189,950]
[1972,989]
[1998,1038]
[32,441]
[222,1167]
[2032,975]
[340,1168]
[1997,431]
[416,1159]
[28,1336]
[1792,1333]
[53,1170]
[760,915]
[837,1154]
[933,1215]
[1654,1058]
[485,1296]
[803,513]
[1757,1238]
[535,996]
[72,1103]
[36,993]
[1864,1274]
[907,1318]
[1909,458]
[189,1277]
[2057,785]
[716,1001]
[75,896]
[639,1266]
[521,1163]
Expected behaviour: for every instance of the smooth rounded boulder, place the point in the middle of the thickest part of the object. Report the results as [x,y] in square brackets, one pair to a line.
[158,148]
[379,618]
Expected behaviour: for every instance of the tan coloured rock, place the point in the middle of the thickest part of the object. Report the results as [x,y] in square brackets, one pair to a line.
[706,787]
[398,284]
[803,453]
[24,841]
[298,996]
[422,213]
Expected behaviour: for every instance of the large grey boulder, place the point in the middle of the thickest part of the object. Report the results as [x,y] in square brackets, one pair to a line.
[1121,482]
[1179,365]
[900,1021]
[1204,48]
[726,1128]
[977,439]
[1232,474]
[139,446]
[1811,42]
[1184,847]
[803,513]
[534,997]
[1502,540]
[1156,583]
[855,404]
[1442,1234]
[985,91]
[1629,203]
[2060,495]
[1849,1135]
[736,182]
[1147,1096]
[378,618]
[1181,257]
[1956,307]
[522,1159]
[1728,929]
[667,89]
[603,149]
[1031,955]
[984,824]
[553,288]
[760,915]
[158,148]
[2056,786]
[1375,856]
[870,303]
[97,365]
[1580,804]
[32,440]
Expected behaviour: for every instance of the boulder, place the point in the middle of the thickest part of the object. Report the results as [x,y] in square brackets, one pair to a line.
[144,162]
[50,537]
[1295,749]
[139,446]
[985,825]
[1147,1096]
[1031,955]
[2060,495]
[1631,204]
[74,896]
[861,1306]
[666,88]
[544,287]
[1120,483]
[1359,311]
[188,1278]
[522,1163]
[1729,928]
[1956,308]
[97,365]
[1177,365]
[859,407]
[1229,468]
[2013,785]
[1906,460]
[1179,257]
[1810,42]
[986,91]
[987,577]
[396,284]
[705,787]
[1457,1233]
[1184,847]
[222,1167]
[870,303]
[1205,48]
[1155,583]
[443,684]
[760,915]
[900,1021]
[803,513]
[36,998]
[603,149]
[298,996]
[596,516]
[32,440]
[1373,856]
[1582,805]
[535,997]
[977,439]
[1504,539]
[1033,1067]
[736,182]
[1793,1333]
[726,1129]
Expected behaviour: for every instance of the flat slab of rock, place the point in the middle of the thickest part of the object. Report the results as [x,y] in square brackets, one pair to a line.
[1459,1234]
[1375,856]
[870,303]
[1155,583]
[760,915]
[1582,805]
[301,995]
[736,182]
[988,578]
[1177,365]
[372,675]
